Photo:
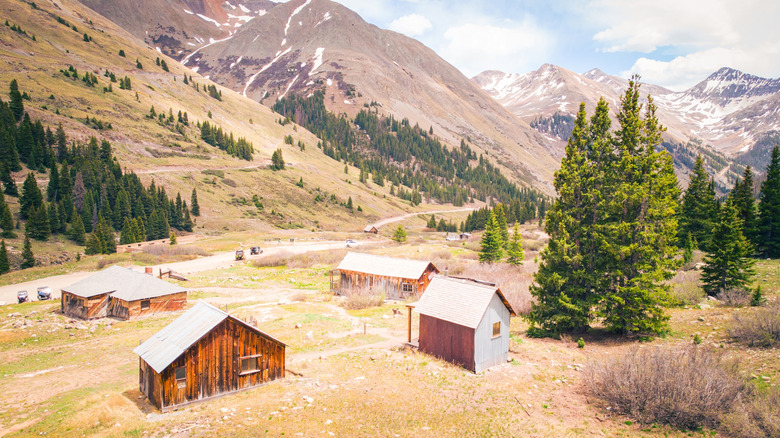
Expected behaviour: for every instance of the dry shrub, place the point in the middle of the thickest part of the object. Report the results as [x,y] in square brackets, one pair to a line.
[685,289]
[441,254]
[272,260]
[734,297]
[102,263]
[357,299]
[758,418]
[175,250]
[686,388]
[533,245]
[514,281]
[758,328]
[299,297]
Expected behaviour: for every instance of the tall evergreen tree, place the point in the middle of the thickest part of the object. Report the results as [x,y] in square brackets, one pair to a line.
[7,221]
[28,258]
[742,198]
[4,265]
[195,207]
[93,245]
[698,210]
[491,244]
[16,104]
[514,250]
[728,262]
[53,188]
[400,234]
[769,209]
[501,223]
[77,233]
[31,196]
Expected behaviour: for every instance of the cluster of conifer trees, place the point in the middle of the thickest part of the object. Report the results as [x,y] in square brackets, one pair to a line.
[496,242]
[87,197]
[215,136]
[394,151]
[528,206]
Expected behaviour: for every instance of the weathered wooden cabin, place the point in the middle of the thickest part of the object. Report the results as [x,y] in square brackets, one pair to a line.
[122,293]
[370,229]
[396,278]
[203,354]
[465,322]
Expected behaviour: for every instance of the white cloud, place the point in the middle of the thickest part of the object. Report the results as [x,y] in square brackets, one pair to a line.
[474,48]
[411,25]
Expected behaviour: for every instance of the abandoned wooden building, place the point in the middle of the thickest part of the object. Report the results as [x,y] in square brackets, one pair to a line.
[465,322]
[370,229]
[122,293]
[206,353]
[395,278]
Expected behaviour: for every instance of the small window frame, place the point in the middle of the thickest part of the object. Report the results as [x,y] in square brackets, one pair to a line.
[257,359]
[496,330]
[407,287]
[180,374]
[146,304]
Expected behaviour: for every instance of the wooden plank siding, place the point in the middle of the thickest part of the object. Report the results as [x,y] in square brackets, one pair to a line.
[451,342]
[392,287]
[489,350]
[213,366]
[132,309]
[84,308]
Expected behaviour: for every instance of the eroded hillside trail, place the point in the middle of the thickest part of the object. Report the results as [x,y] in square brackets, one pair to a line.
[408,215]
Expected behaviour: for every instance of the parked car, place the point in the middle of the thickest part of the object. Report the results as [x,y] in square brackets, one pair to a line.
[352,243]
[22,296]
[239,254]
[44,293]
[255,250]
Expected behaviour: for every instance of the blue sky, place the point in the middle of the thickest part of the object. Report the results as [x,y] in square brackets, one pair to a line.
[673,43]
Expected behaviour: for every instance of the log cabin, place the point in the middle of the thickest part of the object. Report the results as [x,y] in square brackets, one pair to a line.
[370,229]
[394,277]
[203,354]
[121,293]
[465,322]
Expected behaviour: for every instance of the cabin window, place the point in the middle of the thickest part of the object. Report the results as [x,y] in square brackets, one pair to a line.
[496,329]
[407,287]
[251,364]
[144,304]
[181,377]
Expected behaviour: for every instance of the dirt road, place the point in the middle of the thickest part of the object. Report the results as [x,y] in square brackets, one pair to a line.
[407,216]
[218,261]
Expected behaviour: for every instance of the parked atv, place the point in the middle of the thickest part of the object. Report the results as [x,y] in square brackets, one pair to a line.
[239,254]
[22,296]
[255,250]
[44,293]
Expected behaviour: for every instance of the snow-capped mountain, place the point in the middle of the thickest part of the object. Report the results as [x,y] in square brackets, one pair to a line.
[305,45]
[729,110]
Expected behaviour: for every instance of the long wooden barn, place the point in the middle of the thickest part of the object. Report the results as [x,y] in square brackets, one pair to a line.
[203,354]
[465,322]
[396,278]
[122,293]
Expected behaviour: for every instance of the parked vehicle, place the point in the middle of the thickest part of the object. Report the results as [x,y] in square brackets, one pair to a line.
[44,293]
[255,250]
[22,296]
[352,243]
[239,254]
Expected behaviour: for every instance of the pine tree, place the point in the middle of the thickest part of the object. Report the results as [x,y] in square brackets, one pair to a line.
[16,104]
[194,207]
[28,259]
[400,234]
[688,250]
[501,223]
[53,189]
[769,209]
[491,244]
[277,161]
[431,222]
[6,221]
[93,245]
[514,250]
[4,265]
[77,233]
[127,234]
[698,209]
[31,196]
[349,203]
[742,198]
[728,263]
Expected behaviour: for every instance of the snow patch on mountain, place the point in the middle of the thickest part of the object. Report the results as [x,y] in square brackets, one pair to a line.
[265,67]
[317,60]
[325,17]
[244,8]
[233,64]
[211,41]
[189,12]
[288,87]
[210,20]
[294,13]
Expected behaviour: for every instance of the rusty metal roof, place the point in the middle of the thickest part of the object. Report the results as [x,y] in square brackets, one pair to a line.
[123,283]
[173,340]
[384,266]
[458,300]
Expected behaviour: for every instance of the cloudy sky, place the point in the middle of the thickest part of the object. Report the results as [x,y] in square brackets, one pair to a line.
[673,43]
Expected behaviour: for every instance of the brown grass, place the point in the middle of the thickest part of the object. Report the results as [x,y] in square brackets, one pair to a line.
[758,328]
[357,299]
[685,288]
[758,418]
[734,297]
[686,388]
[175,250]
[301,261]
[514,281]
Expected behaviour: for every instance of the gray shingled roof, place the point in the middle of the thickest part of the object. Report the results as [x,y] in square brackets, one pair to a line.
[459,301]
[173,340]
[384,266]
[124,284]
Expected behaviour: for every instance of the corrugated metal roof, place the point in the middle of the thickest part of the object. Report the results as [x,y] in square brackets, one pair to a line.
[368,228]
[173,340]
[459,301]
[384,266]
[123,283]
